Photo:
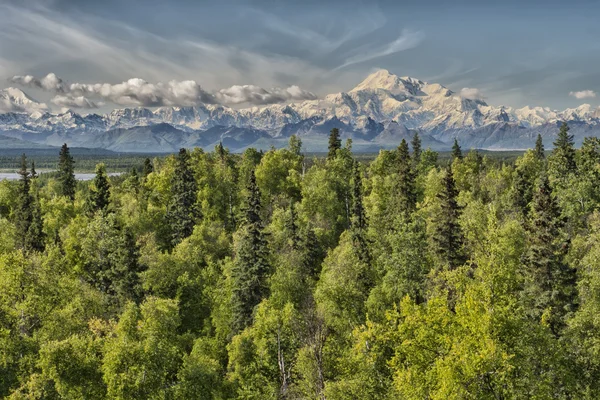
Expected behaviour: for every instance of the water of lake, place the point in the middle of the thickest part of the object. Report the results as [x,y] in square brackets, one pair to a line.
[11,176]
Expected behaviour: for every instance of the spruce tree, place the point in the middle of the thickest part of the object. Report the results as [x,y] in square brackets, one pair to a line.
[416,148]
[66,173]
[562,160]
[125,273]
[358,219]
[23,215]
[99,195]
[551,286]
[335,143]
[251,265]
[33,172]
[148,167]
[539,148]
[182,211]
[406,196]
[447,236]
[292,227]
[456,151]
[35,234]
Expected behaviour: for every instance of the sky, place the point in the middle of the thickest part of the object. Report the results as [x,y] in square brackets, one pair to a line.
[97,55]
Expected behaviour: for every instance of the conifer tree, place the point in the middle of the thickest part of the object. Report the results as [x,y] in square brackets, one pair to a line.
[313,254]
[416,148]
[182,211]
[125,272]
[23,212]
[35,233]
[220,150]
[562,160]
[456,151]
[99,196]
[406,191]
[539,148]
[335,143]
[148,167]
[251,265]
[33,172]
[66,173]
[292,227]
[552,283]
[358,219]
[447,236]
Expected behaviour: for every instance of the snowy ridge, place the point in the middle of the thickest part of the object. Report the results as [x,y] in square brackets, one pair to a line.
[362,112]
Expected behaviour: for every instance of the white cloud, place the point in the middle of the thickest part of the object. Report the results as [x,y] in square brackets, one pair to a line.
[583,94]
[471,93]
[50,82]
[69,101]
[252,94]
[407,40]
[138,92]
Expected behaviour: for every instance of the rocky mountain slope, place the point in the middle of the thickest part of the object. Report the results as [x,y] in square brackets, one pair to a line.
[377,113]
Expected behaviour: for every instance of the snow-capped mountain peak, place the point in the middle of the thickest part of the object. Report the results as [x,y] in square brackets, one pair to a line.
[383,79]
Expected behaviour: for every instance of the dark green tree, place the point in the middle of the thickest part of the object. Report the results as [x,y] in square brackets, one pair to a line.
[22,213]
[539,148]
[456,151]
[251,265]
[358,225]
[291,225]
[406,195]
[447,236]
[551,284]
[35,239]
[99,195]
[66,173]
[33,172]
[335,143]
[125,273]
[562,160]
[148,167]
[182,211]
[416,148]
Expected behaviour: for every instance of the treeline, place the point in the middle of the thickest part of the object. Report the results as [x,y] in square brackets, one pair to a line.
[211,275]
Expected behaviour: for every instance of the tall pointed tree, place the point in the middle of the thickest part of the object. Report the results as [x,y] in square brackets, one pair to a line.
[33,172]
[66,172]
[35,238]
[539,148]
[551,285]
[251,265]
[456,151]
[561,162]
[23,211]
[99,195]
[447,236]
[335,143]
[182,211]
[416,148]
[148,167]
[406,195]
[358,218]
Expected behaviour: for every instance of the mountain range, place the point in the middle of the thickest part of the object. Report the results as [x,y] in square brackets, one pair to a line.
[378,113]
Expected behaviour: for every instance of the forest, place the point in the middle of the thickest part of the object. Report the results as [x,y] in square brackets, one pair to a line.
[269,275]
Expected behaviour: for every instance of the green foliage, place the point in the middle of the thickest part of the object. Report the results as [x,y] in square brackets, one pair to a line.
[335,143]
[456,151]
[182,211]
[99,191]
[66,173]
[251,264]
[338,277]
